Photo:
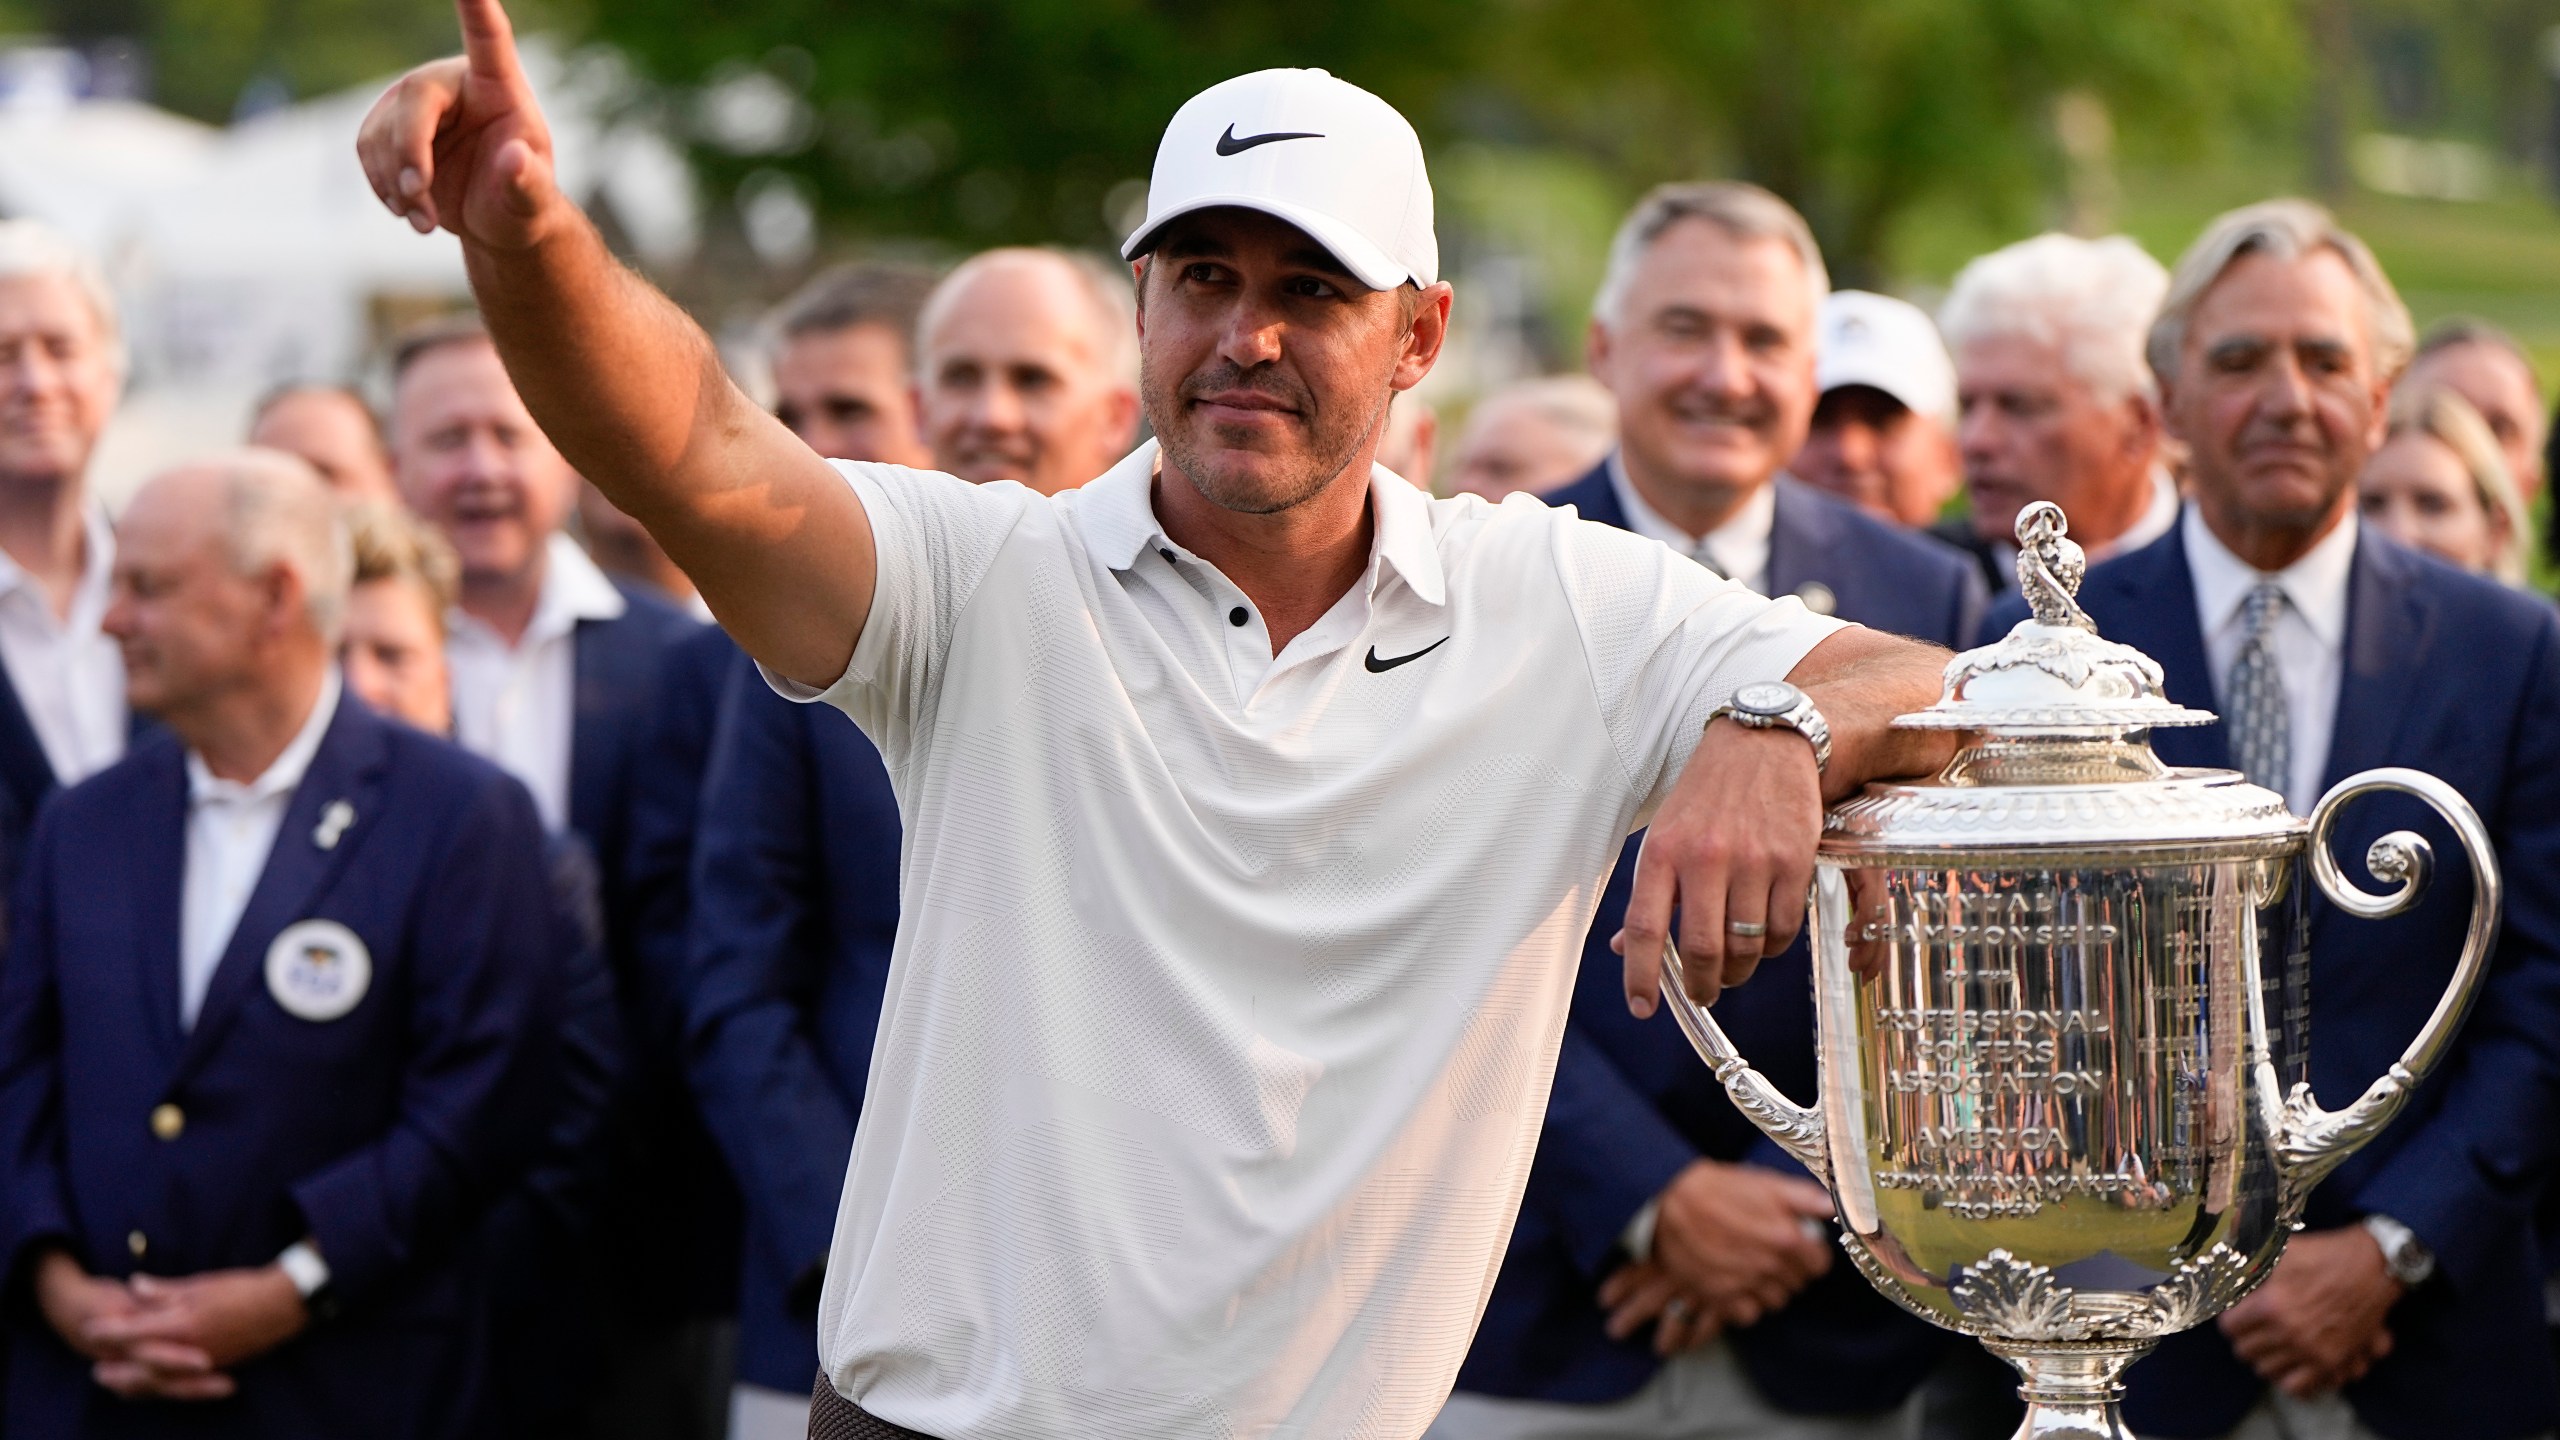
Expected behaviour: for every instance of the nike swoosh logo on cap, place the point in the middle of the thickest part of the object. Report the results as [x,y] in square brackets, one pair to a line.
[1381,667]
[1228,144]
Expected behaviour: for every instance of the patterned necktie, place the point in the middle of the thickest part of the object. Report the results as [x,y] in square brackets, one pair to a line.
[2261,725]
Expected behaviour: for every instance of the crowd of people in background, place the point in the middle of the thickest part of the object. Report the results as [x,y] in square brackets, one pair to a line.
[441,972]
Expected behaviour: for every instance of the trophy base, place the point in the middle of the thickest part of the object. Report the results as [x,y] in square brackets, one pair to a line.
[2072,1388]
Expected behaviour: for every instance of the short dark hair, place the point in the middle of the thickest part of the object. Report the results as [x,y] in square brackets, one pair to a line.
[847,297]
[291,388]
[2456,330]
[462,327]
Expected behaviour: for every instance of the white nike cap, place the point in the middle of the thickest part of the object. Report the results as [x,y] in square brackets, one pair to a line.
[1892,345]
[1320,153]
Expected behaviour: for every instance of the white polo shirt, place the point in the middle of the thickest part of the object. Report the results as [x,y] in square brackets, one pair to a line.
[1228,986]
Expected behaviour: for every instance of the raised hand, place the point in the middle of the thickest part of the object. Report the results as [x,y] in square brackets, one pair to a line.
[461,142]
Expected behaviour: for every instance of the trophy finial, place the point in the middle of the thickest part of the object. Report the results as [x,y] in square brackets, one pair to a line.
[2050,566]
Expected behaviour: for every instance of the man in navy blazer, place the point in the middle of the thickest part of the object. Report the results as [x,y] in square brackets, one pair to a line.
[2411,1305]
[557,676]
[1705,332]
[276,1021]
[795,879]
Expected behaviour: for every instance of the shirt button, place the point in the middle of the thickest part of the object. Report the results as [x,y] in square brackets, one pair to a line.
[1237,617]
[137,1242]
[1168,556]
[168,1121]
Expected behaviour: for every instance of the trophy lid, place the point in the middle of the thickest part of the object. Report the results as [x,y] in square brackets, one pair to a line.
[2058,748]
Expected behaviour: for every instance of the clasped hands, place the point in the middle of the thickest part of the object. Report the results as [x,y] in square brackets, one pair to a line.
[2316,1325]
[1731,1243]
[168,1339]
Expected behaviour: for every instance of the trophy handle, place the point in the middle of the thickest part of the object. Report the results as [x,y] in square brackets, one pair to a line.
[2311,1141]
[1797,1128]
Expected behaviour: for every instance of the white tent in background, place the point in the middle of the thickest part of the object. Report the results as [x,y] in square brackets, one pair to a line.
[253,255]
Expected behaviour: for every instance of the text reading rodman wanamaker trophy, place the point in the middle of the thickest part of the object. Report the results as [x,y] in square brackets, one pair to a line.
[2062,994]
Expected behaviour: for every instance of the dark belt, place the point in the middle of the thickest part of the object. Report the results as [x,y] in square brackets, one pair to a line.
[833,1417]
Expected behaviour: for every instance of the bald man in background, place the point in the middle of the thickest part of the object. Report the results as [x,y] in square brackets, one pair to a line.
[1534,435]
[1028,369]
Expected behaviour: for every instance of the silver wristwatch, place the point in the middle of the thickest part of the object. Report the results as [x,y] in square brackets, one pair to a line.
[1777,705]
[2403,1253]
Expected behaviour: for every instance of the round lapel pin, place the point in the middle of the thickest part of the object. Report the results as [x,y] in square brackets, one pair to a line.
[318,969]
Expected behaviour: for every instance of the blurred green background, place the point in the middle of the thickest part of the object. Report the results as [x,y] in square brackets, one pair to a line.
[1914,133]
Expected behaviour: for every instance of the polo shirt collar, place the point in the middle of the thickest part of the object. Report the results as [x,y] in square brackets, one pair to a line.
[2315,586]
[1117,511]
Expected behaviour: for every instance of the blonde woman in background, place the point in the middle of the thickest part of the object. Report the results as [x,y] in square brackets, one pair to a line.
[2439,484]
[393,646]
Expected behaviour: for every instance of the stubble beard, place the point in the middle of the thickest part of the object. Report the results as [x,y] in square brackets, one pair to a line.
[1332,439]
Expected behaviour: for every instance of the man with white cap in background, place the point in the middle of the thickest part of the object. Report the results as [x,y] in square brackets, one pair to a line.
[2057,402]
[1225,990]
[1883,433]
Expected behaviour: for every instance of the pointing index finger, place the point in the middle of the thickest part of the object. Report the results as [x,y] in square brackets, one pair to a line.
[489,43]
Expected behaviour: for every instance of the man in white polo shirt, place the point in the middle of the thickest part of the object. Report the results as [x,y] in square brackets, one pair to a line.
[1255,802]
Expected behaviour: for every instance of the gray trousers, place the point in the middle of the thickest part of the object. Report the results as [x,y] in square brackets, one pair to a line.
[1702,1395]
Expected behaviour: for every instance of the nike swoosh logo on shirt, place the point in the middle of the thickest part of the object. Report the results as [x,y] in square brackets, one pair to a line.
[1228,144]
[1381,667]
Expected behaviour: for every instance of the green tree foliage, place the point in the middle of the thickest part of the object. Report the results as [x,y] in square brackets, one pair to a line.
[983,120]
[1859,109]
[992,120]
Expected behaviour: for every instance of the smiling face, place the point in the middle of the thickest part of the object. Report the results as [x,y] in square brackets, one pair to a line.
[1711,357]
[1016,379]
[1267,368]
[472,463]
[2279,401]
[57,378]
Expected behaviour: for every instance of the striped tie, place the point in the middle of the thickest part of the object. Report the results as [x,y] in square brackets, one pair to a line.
[2261,726]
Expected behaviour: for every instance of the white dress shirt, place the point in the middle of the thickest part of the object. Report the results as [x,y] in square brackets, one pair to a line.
[68,673]
[1738,549]
[231,830]
[517,705]
[1226,994]
[2309,636]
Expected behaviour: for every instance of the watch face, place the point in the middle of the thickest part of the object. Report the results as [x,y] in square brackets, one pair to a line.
[1767,697]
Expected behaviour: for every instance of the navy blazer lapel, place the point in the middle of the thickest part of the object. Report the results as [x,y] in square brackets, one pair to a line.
[1802,535]
[158,872]
[2390,628]
[598,709]
[348,766]
[2155,612]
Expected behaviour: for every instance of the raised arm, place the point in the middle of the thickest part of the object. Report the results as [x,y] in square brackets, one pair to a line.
[622,381]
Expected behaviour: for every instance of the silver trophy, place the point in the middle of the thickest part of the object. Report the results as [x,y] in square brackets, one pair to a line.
[2062,999]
